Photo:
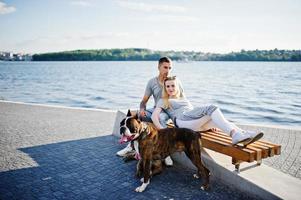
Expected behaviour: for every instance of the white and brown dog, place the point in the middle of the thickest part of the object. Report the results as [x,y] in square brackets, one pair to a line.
[155,145]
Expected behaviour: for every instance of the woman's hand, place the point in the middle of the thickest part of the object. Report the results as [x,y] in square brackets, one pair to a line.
[155,117]
[215,129]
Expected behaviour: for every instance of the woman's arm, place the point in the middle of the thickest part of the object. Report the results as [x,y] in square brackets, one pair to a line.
[155,117]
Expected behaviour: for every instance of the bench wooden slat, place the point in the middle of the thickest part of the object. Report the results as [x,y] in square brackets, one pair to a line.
[270,147]
[264,150]
[218,134]
[258,152]
[217,137]
[276,148]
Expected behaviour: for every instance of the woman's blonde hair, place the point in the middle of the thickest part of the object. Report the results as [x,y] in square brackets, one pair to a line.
[165,97]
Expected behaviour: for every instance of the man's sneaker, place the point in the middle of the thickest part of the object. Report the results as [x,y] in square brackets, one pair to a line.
[124,151]
[168,161]
[254,135]
[241,137]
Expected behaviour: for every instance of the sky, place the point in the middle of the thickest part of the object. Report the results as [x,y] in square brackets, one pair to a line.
[216,26]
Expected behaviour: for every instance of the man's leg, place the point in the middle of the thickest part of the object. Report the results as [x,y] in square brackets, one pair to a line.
[163,117]
[123,152]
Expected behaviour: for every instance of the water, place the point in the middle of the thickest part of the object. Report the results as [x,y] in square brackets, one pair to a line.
[247,92]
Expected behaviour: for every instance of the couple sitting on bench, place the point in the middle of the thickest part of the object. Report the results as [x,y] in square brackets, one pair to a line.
[171,103]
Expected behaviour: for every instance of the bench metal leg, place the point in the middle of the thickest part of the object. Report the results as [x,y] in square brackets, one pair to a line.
[259,162]
[236,163]
[237,169]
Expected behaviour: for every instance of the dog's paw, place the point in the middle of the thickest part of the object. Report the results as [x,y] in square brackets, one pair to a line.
[205,187]
[195,176]
[139,189]
[142,187]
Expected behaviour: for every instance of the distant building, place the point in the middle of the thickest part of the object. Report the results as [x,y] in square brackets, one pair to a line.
[9,56]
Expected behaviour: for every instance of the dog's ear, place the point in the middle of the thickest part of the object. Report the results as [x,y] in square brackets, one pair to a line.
[137,118]
[129,113]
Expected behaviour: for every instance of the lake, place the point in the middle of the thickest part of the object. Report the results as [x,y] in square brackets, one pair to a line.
[247,92]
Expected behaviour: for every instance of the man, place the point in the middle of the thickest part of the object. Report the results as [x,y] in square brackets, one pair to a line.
[154,88]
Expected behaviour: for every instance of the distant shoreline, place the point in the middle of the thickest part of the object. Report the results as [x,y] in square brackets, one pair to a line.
[140,54]
[136,54]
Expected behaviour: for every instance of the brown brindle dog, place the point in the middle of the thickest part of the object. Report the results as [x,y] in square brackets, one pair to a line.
[155,145]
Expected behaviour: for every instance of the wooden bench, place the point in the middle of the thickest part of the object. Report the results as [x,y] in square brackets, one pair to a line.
[222,143]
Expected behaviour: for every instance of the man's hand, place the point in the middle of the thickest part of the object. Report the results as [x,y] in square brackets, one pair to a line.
[143,106]
[142,113]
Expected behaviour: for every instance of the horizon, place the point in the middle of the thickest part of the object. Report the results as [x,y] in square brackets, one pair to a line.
[201,26]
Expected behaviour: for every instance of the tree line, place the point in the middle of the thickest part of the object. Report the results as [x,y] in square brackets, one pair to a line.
[139,54]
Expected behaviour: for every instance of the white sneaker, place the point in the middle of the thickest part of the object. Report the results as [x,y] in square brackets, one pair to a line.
[168,161]
[124,151]
[254,135]
[241,137]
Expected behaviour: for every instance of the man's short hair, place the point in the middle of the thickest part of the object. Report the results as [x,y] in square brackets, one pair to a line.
[164,59]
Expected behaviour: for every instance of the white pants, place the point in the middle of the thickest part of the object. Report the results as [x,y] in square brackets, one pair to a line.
[216,119]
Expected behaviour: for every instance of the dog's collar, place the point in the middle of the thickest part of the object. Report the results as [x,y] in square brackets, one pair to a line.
[144,130]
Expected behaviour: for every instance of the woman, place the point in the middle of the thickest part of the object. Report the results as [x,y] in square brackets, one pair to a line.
[185,115]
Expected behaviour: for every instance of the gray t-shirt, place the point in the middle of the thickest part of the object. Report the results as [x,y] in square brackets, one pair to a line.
[154,88]
[178,107]
[182,109]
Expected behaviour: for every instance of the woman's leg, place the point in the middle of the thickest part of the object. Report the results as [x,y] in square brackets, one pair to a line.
[163,118]
[195,124]
[222,123]
[217,118]
[238,135]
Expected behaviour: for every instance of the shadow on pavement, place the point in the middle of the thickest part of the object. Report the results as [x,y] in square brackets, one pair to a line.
[89,169]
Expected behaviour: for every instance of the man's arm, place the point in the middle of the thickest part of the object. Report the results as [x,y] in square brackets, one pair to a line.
[143,105]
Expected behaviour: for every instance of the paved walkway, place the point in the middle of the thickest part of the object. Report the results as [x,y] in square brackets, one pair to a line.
[289,161]
[58,153]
